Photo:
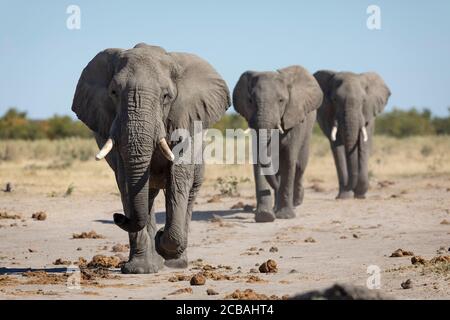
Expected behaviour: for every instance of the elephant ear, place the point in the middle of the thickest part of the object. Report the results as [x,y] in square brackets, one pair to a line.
[327,110]
[92,103]
[202,93]
[324,79]
[241,96]
[377,94]
[305,95]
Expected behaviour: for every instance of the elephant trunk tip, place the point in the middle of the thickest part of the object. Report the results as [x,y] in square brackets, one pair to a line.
[127,224]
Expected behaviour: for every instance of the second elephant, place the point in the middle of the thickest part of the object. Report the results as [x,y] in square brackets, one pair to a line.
[286,99]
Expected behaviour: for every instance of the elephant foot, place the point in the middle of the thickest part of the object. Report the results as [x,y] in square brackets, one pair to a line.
[298,198]
[169,250]
[285,213]
[344,195]
[180,263]
[360,196]
[264,216]
[142,264]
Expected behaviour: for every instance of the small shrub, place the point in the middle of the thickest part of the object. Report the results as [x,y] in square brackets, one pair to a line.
[69,190]
[426,151]
[228,186]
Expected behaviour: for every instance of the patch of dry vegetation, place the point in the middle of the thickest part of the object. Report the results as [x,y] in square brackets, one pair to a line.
[45,166]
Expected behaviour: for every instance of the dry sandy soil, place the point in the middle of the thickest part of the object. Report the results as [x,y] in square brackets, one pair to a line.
[408,207]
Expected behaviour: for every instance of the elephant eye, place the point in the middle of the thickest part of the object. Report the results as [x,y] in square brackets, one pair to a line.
[281,100]
[166,98]
[113,93]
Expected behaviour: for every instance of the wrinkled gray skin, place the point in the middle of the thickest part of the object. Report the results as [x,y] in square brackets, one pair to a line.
[137,97]
[351,101]
[286,97]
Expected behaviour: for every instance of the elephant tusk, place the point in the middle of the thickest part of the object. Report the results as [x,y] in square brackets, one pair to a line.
[280,128]
[333,133]
[164,147]
[364,133]
[107,147]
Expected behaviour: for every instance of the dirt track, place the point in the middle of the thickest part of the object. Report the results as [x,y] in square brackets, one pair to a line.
[408,213]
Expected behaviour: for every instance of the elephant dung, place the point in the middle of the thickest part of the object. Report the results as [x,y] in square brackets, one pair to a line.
[60,261]
[198,280]
[418,260]
[270,266]
[101,261]
[88,235]
[40,216]
[401,253]
[120,248]
[249,294]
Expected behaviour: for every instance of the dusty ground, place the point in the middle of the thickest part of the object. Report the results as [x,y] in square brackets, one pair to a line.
[408,207]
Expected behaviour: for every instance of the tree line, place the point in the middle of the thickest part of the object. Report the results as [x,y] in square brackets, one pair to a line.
[15,124]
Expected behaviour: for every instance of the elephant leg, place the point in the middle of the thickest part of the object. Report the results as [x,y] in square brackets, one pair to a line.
[299,190]
[182,261]
[171,240]
[303,156]
[264,199]
[276,195]
[143,256]
[341,169]
[285,208]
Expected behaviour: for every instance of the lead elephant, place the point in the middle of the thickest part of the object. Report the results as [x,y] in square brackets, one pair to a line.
[133,100]
[287,100]
[347,117]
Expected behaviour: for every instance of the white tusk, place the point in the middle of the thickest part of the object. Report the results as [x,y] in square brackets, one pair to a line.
[364,133]
[280,128]
[164,147]
[107,147]
[333,133]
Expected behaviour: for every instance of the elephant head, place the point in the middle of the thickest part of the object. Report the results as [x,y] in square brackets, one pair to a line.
[281,99]
[134,99]
[351,102]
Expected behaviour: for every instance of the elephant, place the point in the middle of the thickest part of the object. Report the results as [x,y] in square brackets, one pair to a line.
[287,100]
[347,118]
[133,100]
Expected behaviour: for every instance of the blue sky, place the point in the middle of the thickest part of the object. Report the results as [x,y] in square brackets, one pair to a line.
[41,60]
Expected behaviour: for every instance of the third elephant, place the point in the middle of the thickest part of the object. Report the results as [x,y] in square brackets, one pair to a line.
[287,100]
[347,117]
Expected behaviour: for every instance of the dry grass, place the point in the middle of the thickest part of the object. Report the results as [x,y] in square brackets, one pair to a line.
[390,158]
[51,167]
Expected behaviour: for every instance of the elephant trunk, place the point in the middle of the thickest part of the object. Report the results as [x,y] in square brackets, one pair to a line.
[266,157]
[138,138]
[352,125]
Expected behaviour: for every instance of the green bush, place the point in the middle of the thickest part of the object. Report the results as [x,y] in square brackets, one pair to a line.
[399,123]
[231,121]
[14,124]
